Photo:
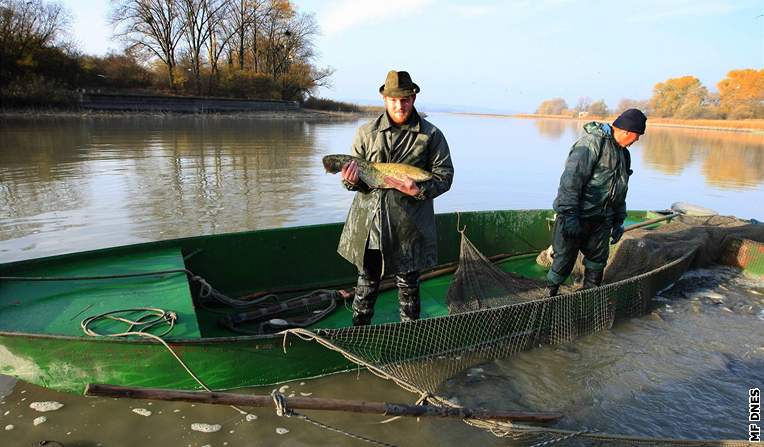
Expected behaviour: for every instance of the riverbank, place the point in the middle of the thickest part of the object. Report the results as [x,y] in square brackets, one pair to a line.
[753,125]
[297,114]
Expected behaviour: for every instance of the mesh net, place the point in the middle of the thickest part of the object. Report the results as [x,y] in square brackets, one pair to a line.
[494,314]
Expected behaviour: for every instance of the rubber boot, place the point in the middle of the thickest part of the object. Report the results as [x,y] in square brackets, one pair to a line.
[408,295]
[552,290]
[592,278]
[366,292]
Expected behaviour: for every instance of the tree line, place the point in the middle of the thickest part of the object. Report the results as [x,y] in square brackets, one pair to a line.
[238,48]
[740,95]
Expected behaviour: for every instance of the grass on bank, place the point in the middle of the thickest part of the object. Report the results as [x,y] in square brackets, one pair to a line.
[338,106]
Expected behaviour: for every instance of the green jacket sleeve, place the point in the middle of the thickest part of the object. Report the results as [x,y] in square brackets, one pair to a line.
[578,170]
[358,149]
[441,167]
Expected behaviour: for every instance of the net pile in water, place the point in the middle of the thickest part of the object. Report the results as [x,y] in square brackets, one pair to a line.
[494,314]
[644,249]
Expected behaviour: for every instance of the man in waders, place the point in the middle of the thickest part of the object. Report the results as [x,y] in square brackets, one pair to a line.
[591,200]
[392,231]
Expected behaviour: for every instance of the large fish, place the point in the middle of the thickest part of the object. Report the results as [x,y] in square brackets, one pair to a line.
[375,174]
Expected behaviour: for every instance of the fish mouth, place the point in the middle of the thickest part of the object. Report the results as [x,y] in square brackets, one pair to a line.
[330,165]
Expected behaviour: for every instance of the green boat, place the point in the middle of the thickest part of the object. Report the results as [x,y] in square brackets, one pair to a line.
[42,341]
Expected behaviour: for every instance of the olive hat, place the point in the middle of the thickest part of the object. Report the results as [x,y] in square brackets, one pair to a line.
[398,84]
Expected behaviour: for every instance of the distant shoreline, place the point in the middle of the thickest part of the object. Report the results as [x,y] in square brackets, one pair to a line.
[748,126]
[103,114]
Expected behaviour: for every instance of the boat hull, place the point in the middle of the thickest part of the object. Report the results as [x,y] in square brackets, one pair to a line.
[239,263]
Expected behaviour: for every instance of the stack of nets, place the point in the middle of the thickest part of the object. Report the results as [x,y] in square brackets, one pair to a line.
[494,314]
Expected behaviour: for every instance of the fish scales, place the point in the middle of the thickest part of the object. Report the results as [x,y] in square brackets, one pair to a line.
[374,174]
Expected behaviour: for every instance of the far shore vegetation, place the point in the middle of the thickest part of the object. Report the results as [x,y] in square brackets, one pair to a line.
[738,103]
[258,49]
[264,49]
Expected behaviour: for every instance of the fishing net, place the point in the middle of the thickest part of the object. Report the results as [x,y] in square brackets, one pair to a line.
[494,314]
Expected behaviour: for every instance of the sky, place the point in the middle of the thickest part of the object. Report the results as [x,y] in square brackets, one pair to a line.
[508,56]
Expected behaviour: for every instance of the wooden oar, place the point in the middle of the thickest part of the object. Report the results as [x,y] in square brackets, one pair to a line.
[308,403]
[386,284]
[650,221]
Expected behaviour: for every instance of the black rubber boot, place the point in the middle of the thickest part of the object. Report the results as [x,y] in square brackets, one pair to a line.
[408,295]
[592,278]
[366,292]
[552,290]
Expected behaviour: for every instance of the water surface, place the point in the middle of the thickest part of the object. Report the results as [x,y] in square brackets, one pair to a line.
[684,371]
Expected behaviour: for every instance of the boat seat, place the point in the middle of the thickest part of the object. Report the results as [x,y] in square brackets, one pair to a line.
[58,307]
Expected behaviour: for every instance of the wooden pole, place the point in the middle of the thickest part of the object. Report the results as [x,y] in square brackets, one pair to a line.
[650,222]
[308,403]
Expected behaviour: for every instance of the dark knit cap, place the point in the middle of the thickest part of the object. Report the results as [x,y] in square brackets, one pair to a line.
[632,120]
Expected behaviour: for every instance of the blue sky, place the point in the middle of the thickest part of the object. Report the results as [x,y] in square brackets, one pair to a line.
[508,56]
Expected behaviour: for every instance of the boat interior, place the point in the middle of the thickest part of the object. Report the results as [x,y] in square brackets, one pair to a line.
[288,262]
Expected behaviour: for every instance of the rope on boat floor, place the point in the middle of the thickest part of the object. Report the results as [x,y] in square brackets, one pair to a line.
[160,316]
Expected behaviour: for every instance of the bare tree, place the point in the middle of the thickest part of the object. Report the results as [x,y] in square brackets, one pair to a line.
[219,34]
[27,24]
[155,26]
[583,104]
[197,15]
[241,16]
[260,9]
[275,30]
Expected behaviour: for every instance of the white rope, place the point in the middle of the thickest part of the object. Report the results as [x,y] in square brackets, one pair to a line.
[160,316]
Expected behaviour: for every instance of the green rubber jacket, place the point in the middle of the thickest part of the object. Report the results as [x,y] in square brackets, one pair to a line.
[596,176]
[407,224]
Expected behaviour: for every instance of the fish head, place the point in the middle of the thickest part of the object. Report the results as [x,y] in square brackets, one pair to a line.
[334,163]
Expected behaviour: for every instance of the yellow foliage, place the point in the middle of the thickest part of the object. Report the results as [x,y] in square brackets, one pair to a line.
[682,97]
[741,94]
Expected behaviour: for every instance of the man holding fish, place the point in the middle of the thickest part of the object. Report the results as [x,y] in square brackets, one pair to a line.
[400,162]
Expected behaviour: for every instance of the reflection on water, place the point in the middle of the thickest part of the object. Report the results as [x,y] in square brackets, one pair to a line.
[75,184]
[729,159]
[554,129]
[118,181]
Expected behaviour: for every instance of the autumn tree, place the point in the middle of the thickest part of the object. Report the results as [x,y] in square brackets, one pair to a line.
[598,108]
[683,97]
[583,103]
[627,103]
[741,94]
[553,106]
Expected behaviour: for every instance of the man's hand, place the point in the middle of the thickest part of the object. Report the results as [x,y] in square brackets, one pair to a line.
[571,227]
[349,172]
[407,186]
[616,233]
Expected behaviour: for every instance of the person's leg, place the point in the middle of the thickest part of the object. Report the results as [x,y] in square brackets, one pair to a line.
[565,252]
[367,288]
[596,249]
[408,295]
